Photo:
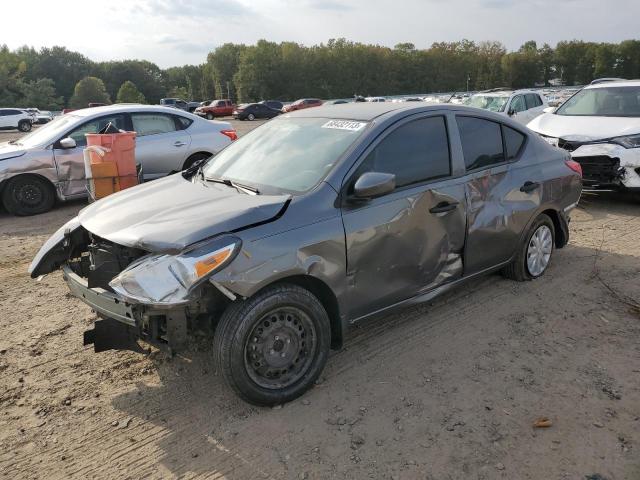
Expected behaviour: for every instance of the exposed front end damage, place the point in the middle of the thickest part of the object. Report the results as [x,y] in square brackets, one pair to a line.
[604,165]
[90,263]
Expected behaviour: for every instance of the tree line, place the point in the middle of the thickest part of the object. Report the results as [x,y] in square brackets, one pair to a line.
[51,78]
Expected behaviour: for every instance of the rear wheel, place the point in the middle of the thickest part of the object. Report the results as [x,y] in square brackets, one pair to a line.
[24,125]
[534,255]
[272,347]
[210,116]
[28,195]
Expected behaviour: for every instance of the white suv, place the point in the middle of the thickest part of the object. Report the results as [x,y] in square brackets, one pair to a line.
[600,126]
[521,105]
[15,118]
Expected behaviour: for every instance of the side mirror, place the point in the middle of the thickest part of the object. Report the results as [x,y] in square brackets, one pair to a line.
[511,112]
[68,142]
[549,110]
[374,184]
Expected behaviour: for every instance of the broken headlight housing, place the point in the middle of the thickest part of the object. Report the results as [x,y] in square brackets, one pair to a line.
[628,141]
[170,279]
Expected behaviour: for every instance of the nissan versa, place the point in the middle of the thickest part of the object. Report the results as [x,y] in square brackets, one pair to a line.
[311,222]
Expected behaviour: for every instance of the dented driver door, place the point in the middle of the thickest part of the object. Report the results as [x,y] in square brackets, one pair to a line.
[410,240]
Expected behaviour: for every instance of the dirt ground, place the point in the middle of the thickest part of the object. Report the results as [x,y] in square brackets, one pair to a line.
[448,390]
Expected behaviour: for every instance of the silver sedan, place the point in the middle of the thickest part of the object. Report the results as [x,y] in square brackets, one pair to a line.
[47,164]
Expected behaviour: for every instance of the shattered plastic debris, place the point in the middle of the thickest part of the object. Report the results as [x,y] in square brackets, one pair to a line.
[542,422]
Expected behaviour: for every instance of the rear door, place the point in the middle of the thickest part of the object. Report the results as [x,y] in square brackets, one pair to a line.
[162,143]
[494,209]
[70,161]
[410,240]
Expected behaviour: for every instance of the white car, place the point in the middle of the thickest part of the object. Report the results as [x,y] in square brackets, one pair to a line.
[44,116]
[48,163]
[600,127]
[14,118]
[521,105]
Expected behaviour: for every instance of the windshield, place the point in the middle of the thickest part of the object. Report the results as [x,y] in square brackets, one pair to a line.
[49,132]
[603,102]
[486,102]
[287,154]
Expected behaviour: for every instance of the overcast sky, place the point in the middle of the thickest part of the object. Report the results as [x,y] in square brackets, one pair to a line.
[177,32]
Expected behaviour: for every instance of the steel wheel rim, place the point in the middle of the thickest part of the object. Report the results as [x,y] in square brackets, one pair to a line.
[539,250]
[29,195]
[281,347]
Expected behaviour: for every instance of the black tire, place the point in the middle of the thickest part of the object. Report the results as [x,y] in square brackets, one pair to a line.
[26,195]
[210,116]
[251,117]
[518,270]
[247,340]
[193,159]
[24,125]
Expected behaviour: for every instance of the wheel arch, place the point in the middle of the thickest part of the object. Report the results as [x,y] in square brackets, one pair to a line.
[187,163]
[325,296]
[6,181]
[559,226]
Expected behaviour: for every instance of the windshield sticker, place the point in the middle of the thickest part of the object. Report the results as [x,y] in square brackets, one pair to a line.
[344,125]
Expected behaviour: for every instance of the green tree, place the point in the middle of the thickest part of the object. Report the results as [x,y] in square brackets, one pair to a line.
[41,94]
[129,93]
[89,90]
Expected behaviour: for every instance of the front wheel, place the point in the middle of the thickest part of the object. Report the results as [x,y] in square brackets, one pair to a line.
[28,195]
[534,255]
[210,116]
[251,116]
[272,347]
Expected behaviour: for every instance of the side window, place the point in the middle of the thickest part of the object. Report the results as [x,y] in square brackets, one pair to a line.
[152,123]
[517,104]
[183,123]
[3,113]
[481,142]
[94,126]
[513,141]
[532,100]
[415,152]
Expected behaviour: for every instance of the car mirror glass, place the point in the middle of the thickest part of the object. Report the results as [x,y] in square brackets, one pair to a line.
[374,184]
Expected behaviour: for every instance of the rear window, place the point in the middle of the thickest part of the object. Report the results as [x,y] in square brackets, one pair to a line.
[183,122]
[481,142]
[513,141]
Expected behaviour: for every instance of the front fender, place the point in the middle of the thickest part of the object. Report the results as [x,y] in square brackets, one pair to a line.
[57,249]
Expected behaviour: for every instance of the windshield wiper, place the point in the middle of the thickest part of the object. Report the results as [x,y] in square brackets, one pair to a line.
[239,186]
[14,142]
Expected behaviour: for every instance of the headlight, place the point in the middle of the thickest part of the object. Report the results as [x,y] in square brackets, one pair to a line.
[628,141]
[170,279]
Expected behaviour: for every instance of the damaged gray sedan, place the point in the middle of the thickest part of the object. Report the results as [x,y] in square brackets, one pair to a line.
[311,222]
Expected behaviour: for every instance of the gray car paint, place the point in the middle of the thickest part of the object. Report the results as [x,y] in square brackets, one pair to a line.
[368,257]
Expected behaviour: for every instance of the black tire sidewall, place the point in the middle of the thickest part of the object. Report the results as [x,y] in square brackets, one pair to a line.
[237,326]
[25,123]
[13,206]
[210,116]
[251,117]
[541,220]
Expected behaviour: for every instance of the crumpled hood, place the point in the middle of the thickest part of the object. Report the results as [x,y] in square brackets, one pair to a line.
[166,215]
[8,151]
[584,128]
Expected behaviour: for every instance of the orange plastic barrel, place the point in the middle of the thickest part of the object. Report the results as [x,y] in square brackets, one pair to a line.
[122,147]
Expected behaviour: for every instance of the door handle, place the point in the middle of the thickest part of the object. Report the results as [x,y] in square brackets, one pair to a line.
[443,207]
[529,187]
[178,143]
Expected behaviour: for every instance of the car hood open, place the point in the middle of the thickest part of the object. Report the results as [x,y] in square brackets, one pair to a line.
[167,215]
[7,151]
[584,128]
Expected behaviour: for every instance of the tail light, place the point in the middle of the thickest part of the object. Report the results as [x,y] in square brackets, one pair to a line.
[232,134]
[575,166]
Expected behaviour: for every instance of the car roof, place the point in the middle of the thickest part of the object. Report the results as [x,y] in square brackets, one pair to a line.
[124,107]
[617,83]
[367,111]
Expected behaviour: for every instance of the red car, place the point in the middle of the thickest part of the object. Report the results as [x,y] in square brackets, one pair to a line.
[302,104]
[217,108]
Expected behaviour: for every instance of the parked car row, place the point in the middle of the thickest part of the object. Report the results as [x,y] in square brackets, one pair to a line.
[47,164]
[314,221]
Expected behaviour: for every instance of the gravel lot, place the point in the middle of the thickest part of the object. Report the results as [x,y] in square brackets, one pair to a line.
[448,390]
